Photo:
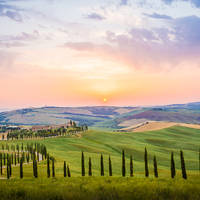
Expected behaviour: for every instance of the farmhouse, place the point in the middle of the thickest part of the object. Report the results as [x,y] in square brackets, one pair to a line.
[49,127]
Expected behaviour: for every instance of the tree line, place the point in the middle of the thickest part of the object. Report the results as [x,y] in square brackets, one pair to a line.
[32,152]
[29,134]
[18,155]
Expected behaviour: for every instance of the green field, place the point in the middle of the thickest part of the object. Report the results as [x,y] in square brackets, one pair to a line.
[93,143]
[160,143]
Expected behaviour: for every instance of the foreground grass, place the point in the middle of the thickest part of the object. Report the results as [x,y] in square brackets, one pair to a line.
[99,188]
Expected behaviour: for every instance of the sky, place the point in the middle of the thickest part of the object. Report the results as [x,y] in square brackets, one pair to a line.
[99,52]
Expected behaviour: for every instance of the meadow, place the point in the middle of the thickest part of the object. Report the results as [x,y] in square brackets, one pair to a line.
[94,143]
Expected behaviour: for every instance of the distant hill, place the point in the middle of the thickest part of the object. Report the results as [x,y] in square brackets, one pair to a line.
[109,117]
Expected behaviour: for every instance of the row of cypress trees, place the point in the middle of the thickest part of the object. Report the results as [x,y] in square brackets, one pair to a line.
[27,153]
[173,169]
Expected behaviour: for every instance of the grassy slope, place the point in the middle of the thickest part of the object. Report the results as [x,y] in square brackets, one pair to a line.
[93,143]
[159,143]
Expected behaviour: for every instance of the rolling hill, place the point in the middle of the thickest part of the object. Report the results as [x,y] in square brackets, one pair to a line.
[107,117]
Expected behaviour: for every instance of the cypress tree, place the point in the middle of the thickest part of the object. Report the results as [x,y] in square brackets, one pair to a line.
[18,157]
[38,156]
[90,167]
[83,164]
[123,164]
[1,164]
[53,168]
[21,168]
[68,171]
[155,167]
[173,169]
[27,157]
[131,166]
[48,167]
[36,169]
[110,166]
[15,159]
[199,160]
[184,174]
[8,170]
[22,147]
[12,158]
[10,166]
[4,159]
[146,163]
[102,165]
[65,170]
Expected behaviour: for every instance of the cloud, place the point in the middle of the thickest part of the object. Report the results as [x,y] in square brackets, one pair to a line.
[10,11]
[193,2]
[156,48]
[9,41]
[95,16]
[158,16]
[124,2]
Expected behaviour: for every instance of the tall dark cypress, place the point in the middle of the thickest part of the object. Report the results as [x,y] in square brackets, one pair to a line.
[68,171]
[155,167]
[123,164]
[36,169]
[173,169]
[65,169]
[15,158]
[10,166]
[1,164]
[48,167]
[83,164]
[8,170]
[12,158]
[21,168]
[131,166]
[27,157]
[90,167]
[146,163]
[184,174]
[110,166]
[53,168]
[102,165]
[199,160]
[18,157]
[4,158]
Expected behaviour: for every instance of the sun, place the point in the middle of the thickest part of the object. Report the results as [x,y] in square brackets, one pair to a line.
[105,100]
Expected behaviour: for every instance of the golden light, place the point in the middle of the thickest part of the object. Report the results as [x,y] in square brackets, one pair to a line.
[105,100]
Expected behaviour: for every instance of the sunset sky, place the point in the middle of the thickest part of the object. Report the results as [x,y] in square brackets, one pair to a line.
[99,52]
